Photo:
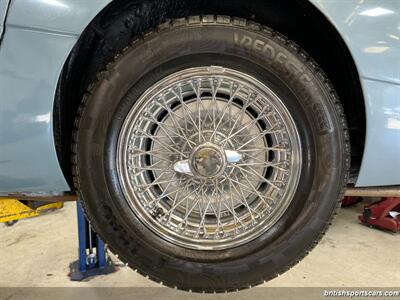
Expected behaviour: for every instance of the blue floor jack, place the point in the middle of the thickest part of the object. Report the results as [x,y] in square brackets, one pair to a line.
[93,259]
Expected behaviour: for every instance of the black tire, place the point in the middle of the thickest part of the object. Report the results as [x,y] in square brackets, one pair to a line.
[238,44]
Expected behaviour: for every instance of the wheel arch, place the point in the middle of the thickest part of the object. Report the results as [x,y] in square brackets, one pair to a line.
[299,19]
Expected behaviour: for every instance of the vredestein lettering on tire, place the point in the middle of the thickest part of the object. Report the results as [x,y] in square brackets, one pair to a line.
[212,163]
[271,55]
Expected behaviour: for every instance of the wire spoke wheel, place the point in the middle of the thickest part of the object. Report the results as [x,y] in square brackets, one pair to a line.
[215,167]
[209,158]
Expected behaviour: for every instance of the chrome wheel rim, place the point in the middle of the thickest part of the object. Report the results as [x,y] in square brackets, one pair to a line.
[209,158]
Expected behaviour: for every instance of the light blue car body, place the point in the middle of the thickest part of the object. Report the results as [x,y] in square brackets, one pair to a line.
[38,36]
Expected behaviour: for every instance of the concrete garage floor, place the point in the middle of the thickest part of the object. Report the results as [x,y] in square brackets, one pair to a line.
[37,252]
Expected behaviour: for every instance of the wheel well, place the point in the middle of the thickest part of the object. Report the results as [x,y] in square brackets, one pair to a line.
[297,19]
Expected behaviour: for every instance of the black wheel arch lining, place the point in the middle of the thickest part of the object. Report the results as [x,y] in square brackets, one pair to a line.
[298,19]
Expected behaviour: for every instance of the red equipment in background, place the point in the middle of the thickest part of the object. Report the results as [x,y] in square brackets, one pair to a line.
[384,214]
[350,200]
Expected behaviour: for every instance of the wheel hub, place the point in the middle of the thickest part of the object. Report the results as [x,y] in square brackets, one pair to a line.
[207,160]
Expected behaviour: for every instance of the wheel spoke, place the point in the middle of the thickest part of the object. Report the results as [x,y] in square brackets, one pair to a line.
[241,115]
[259,177]
[220,117]
[173,119]
[246,126]
[242,198]
[164,128]
[253,191]
[162,144]
[186,109]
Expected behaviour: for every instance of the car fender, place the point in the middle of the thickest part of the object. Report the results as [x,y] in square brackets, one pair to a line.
[40,35]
